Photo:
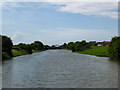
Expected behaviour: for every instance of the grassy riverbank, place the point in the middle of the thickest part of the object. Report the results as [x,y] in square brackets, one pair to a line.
[36,51]
[19,52]
[22,52]
[101,51]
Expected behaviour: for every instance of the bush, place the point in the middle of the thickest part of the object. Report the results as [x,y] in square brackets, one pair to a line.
[77,46]
[5,56]
[22,46]
[114,49]
[6,47]
[37,45]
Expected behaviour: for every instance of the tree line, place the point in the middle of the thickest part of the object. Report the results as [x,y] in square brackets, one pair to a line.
[76,46]
[7,47]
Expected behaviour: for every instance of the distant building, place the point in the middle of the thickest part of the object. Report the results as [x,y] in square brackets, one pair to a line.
[105,43]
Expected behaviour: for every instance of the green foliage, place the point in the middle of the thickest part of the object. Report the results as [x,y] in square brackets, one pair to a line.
[19,52]
[26,47]
[46,47]
[37,45]
[8,50]
[114,49]
[6,47]
[23,49]
[5,56]
[35,51]
[77,46]
[70,45]
[64,45]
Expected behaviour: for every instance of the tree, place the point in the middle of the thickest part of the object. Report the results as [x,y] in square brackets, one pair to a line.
[64,45]
[114,48]
[37,45]
[26,47]
[77,46]
[53,47]
[6,47]
[21,46]
[46,47]
[0,47]
[84,45]
[70,45]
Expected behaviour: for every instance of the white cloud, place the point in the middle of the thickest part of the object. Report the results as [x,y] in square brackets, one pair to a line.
[66,35]
[18,4]
[100,9]
[18,37]
[21,37]
[60,0]
[63,35]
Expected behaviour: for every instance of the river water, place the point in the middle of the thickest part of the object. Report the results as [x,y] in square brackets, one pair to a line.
[59,69]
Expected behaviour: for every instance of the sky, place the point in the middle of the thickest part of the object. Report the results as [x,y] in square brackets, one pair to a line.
[59,22]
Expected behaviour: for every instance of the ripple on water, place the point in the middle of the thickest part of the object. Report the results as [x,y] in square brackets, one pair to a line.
[61,69]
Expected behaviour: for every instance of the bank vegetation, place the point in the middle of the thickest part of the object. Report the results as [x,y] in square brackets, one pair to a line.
[112,49]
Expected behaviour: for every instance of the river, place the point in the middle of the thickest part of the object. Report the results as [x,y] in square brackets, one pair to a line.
[59,69]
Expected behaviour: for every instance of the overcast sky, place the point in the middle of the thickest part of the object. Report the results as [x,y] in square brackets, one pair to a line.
[56,23]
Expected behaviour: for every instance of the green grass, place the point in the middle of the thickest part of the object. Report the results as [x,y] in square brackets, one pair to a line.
[36,51]
[101,51]
[19,52]
[22,52]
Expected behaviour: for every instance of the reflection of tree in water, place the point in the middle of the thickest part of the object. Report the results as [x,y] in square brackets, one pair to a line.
[7,68]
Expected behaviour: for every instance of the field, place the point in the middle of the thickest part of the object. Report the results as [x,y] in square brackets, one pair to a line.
[101,51]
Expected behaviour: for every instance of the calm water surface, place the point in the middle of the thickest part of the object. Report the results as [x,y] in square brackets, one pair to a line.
[59,69]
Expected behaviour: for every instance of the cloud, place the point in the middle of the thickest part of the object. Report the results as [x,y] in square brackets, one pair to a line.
[62,35]
[60,0]
[98,9]
[101,9]
[66,35]
[22,37]
[18,4]
[18,37]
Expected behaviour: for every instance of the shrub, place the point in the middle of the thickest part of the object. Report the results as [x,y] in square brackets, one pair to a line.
[114,48]
[6,47]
